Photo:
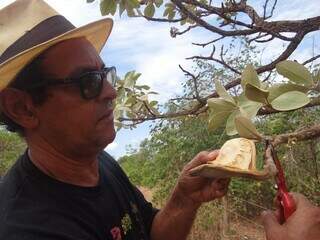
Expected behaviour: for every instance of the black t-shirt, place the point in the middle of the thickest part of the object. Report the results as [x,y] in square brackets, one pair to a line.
[35,206]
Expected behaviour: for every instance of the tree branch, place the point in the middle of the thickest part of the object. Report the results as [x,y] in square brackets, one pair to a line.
[306,134]
[311,59]
[194,79]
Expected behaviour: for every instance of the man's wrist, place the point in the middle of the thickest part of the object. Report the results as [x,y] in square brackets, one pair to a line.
[181,202]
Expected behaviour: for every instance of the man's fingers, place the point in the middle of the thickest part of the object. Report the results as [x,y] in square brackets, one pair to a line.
[202,158]
[213,155]
[271,225]
[300,200]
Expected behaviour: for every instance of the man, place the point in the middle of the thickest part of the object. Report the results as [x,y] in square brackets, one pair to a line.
[56,92]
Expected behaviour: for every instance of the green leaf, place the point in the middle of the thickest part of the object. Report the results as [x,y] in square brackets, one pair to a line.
[146,87]
[133,3]
[158,3]
[171,14]
[169,5]
[129,80]
[230,126]
[249,75]
[278,89]
[155,93]
[153,103]
[247,107]
[113,9]
[149,10]
[290,101]
[222,92]
[122,7]
[246,128]
[256,94]
[220,105]
[121,94]
[130,11]
[166,12]
[107,6]
[295,72]
[316,76]
[136,76]
[217,120]
[131,100]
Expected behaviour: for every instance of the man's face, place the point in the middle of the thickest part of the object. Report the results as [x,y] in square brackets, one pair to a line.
[68,122]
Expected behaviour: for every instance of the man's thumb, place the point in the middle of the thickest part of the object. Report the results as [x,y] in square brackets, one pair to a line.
[271,225]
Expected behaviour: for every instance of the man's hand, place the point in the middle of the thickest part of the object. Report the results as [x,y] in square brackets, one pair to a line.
[303,224]
[195,190]
[175,219]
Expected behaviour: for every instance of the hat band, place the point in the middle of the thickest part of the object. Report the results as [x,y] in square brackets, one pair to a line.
[44,31]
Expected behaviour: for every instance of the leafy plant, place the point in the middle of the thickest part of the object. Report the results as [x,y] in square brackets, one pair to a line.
[11,147]
[284,97]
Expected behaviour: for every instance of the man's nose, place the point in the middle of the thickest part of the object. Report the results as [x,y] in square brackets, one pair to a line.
[108,91]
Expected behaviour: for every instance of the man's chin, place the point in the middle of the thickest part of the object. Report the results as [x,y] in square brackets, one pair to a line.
[107,139]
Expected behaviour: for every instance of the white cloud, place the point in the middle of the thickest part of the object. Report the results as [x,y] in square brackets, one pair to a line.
[148,48]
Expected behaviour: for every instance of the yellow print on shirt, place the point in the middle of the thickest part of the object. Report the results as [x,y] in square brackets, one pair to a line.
[126,223]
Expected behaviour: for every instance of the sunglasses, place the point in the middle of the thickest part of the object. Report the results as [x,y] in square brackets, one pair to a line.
[90,83]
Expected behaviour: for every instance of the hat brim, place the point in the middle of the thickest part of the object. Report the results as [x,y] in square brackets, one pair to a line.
[96,33]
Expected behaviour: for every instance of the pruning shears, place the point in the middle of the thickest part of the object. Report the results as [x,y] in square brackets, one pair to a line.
[287,204]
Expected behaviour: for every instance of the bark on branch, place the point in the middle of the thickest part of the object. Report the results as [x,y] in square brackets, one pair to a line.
[306,134]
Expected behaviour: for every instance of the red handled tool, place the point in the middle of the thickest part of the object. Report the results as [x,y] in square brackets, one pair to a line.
[287,204]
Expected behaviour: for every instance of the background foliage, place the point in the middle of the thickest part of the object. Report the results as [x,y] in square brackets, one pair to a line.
[11,146]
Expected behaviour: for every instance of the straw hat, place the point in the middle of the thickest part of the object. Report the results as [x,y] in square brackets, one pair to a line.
[28,27]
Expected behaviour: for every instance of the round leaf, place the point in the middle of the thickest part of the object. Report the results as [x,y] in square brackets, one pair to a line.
[278,89]
[256,94]
[108,6]
[249,75]
[247,107]
[246,128]
[290,101]
[295,72]
[220,105]
[217,120]
[149,10]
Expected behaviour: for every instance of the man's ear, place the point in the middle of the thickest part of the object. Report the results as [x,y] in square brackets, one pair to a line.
[19,107]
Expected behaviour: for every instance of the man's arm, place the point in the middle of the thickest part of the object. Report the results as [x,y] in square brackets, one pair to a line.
[303,224]
[174,221]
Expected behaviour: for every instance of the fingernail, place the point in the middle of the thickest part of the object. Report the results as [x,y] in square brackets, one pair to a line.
[213,154]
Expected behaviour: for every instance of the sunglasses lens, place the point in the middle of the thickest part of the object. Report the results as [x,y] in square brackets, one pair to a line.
[112,76]
[91,85]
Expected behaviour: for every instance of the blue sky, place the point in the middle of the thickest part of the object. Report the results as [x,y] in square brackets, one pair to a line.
[147,47]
